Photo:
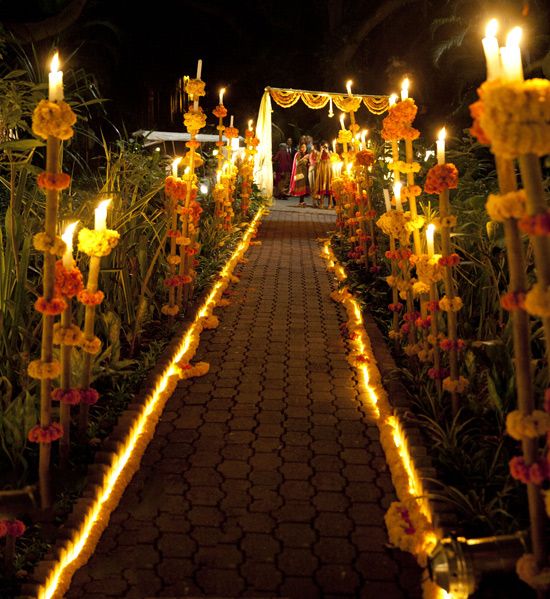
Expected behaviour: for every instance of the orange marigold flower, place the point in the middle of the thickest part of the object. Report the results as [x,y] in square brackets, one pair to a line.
[231,132]
[90,298]
[68,283]
[220,111]
[364,158]
[70,397]
[89,396]
[52,307]
[536,224]
[55,181]
[450,260]
[513,300]
[45,434]
[476,111]
[441,177]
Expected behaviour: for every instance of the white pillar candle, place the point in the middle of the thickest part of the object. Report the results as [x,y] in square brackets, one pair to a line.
[348,86]
[101,215]
[175,163]
[491,50]
[55,80]
[199,68]
[405,88]
[512,69]
[218,176]
[222,92]
[397,194]
[430,239]
[334,146]
[231,121]
[68,260]
[440,143]
[364,135]
[342,118]
[387,199]
[250,124]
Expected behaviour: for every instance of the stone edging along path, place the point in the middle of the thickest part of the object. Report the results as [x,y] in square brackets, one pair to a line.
[402,443]
[122,451]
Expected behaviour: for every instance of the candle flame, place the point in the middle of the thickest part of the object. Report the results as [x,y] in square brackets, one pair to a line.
[186,171]
[405,84]
[514,37]
[492,28]
[430,230]
[342,118]
[442,134]
[68,234]
[104,205]
[222,92]
[250,124]
[176,161]
[349,83]
[364,134]
[392,99]
[397,189]
[54,65]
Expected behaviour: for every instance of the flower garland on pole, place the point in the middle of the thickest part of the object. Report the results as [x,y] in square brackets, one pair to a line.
[247,169]
[229,176]
[220,112]
[53,120]
[440,179]
[512,117]
[95,243]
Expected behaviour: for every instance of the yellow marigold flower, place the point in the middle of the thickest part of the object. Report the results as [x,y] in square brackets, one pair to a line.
[421,288]
[506,206]
[70,335]
[53,119]
[455,385]
[174,260]
[537,301]
[38,369]
[404,167]
[345,136]
[450,305]
[91,346]
[97,243]
[44,243]
[194,120]
[168,310]
[527,426]
[516,117]
[195,87]
[396,224]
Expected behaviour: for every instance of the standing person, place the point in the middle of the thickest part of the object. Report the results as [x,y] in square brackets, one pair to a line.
[282,162]
[291,148]
[312,168]
[298,178]
[323,177]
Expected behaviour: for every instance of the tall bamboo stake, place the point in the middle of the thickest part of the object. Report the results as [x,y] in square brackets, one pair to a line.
[65,408]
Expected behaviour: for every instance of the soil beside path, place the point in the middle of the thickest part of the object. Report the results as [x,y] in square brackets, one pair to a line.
[265,478]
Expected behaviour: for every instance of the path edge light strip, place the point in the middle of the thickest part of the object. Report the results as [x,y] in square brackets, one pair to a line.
[405,477]
[76,551]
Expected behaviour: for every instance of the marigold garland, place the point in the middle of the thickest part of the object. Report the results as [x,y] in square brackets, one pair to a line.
[42,242]
[450,305]
[68,283]
[536,224]
[53,181]
[193,370]
[45,434]
[194,120]
[476,111]
[37,369]
[441,177]
[91,346]
[404,167]
[97,243]
[455,385]
[527,426]
[52,307]
[169,310]
[89,396]
[220,112]
[195,87]
[509,205]
[536,473]
[91,298]
[71,335]
[12,528]
[53,119]
[537,301]
[513,300]
[231,132]
[70,397]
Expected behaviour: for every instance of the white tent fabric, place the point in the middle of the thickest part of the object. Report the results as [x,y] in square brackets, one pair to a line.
[155,137]
[263,164]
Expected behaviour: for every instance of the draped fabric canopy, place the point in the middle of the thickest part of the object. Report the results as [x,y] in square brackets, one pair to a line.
[263,165]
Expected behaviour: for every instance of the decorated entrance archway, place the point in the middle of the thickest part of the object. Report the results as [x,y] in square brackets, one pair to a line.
[286,98]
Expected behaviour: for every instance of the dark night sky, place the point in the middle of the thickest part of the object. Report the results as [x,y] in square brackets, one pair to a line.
[133,47]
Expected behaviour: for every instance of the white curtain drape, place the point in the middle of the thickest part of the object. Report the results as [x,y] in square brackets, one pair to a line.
[263,165]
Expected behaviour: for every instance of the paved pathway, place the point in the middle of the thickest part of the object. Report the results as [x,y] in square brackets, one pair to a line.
[265,477]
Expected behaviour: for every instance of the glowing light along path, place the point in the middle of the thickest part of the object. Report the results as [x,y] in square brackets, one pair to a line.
[371,382]
[128,458]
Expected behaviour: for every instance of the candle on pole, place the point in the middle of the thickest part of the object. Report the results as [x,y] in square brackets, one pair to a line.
[491,50]
[397,194]
[430,229]
[387,200]
[334,146]
[349,83]
[199,71]
[440,143]
[222,92]
[231,121]
[512,69]
[175,163]
[101,215]
[405,88]
[250,124]
[68,260]
[392,100]
[364,134]
[55,80]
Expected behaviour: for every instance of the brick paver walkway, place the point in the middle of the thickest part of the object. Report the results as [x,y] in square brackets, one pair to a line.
[265,477]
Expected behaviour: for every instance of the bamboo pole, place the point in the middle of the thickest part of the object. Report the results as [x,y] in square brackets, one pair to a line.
[46,351]
[65,408]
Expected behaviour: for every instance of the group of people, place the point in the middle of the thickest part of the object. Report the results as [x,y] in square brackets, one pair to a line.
[302,172]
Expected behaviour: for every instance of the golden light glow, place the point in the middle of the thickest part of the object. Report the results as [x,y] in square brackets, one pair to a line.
[491,28]
[68,234]
[250,124]
[397,189]
[392,100]
[513,38]
[442,135]
[405,84]
[78,550]
[342,118]
[364,134]
[349,83]
[54,64]
[222,92]
[175,163]
[101,215]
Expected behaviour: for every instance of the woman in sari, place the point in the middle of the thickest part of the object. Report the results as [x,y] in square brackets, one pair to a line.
[298,178]
[323,177]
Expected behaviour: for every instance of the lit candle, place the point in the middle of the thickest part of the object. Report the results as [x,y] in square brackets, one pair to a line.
[364,135]
[397,194]
[334,146]
[405,88]
[222,92]
[387,199]
[392,100]
[430,239]
[68,260]
[199,68]
[348,86]
[250,124]
[441,146]
[55,80]
[218,177]
[330,110]
[512,69]
[348,168]
[175,163]
[231,121]
[491,50]
[101,215]
[342,118]
[204,189]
